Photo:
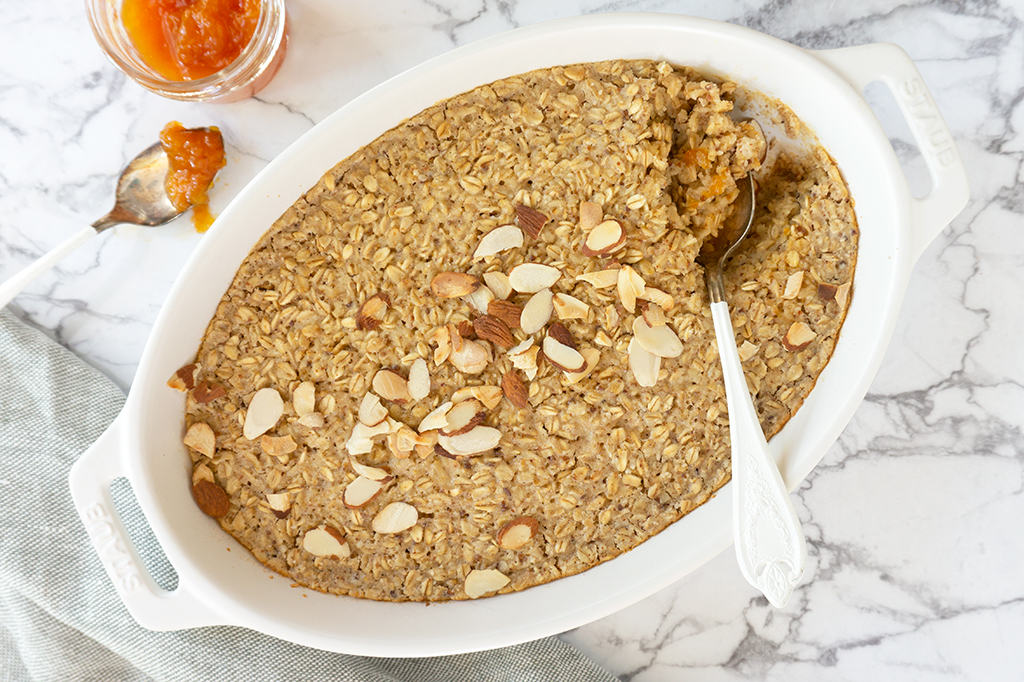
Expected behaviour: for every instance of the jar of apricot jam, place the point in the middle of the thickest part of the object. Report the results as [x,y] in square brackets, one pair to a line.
[193,50]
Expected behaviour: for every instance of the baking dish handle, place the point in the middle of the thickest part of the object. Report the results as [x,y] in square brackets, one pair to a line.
[151,606]
[891,65]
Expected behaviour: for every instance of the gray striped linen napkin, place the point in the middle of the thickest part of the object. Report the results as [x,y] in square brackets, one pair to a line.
[60,618]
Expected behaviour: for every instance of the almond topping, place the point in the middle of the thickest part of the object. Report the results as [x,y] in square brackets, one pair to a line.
[506,311]
[278,446]
[517,532]
[606,237]
[747,351]
[562,335]
[326,541]
[526,358]
[798,337]
[200,437]
[371,313]
[395,518]
[436,419]
[661,341]
[489,395]
[654,316]
[591,215]
[465,329]
[843,294]
[361,491]
[313,420]
[631,287]
[529,278]
[499,239]
[371,411]
[498,283]
[515,390]
[600,279]
[563,357]
[185,378]
[304,398]
[372,473]
[644,364]
[211,498]
[265,409]
[827,291]
[391,386]
[537,312]
[592,356]
[658,298]
[491,328]
[476,441]
[419,379]
[280,504]
[793,284]
[569,307]
[443,338]
[480,298]
[206,392]
[472,358]
[530,219]
[480,583]
[453,284]
[463,417]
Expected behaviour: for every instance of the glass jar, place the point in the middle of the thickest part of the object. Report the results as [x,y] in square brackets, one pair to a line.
[253,69]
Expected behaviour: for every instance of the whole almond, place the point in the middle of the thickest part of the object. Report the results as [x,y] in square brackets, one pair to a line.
[530,219]
[506,311]
[453,284]
[515,390]
[517,532]
[371,313]
[211,498]
[491,328]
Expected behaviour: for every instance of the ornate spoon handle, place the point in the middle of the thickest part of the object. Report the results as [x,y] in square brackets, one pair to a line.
[770,543]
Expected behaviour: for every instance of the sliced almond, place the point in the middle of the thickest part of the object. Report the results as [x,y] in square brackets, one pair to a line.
[304,398]
[326,541]
[747,350]
[280,504]
[361,491]
[453,284]
[360,441]
[358,446]
[606,237]
[443,339]
[515,390]
[499,239]
[265,409]
[843,294]
[661,341]
[631,287]
[529,278]
[211,498]
[526,359]
[506,311]
[530,219]
[463,416]
[537,312]
[313,420]
[419,379]
[366,471]
[494,329]
[456,336]
[278,446]
[658,298]
[644,364]
[206,391]
[498,283]
[793,284]
[480,298]
[202,473]
[477,440]
[600,279]
[654,316]
[371,313]
[569,307]
[185,378]
[392,386]
[200,437]
[563,357]
[483,582]
[562,335]
[471,358]
[488,395]
[591,215]
[517,532]
[395,518]
[436,419]
[798,337]
[592,356]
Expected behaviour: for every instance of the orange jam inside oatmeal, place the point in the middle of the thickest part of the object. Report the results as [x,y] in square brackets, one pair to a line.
[478,355]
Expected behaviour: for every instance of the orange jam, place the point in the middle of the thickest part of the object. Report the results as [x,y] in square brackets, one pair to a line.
[194,155]
[188,39]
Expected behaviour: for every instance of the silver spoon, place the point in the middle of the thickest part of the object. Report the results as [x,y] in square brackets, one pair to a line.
[770,543]
[141,200]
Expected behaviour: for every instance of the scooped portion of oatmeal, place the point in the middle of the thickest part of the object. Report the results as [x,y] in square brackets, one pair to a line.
[478,355]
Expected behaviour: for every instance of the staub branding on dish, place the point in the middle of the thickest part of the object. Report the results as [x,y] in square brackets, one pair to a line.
[921,106]
[109,545]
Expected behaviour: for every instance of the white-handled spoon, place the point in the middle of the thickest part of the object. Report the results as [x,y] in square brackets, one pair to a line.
[141,200]
[770,543]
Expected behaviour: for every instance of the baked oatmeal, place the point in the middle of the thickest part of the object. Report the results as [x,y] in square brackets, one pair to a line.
[478,355]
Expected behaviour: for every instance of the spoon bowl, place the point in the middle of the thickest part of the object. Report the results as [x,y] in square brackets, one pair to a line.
[770,544]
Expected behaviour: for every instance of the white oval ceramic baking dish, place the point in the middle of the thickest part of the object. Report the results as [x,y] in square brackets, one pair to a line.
[218,586]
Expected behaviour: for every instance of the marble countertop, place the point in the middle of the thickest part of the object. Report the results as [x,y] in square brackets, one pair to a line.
[913,517]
